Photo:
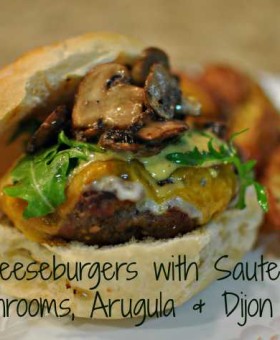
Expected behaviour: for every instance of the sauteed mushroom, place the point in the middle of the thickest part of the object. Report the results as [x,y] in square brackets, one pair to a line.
[119,140]
[105,94]
[49,129]
[148,58]
[88,134]
[162,92]
[159,131]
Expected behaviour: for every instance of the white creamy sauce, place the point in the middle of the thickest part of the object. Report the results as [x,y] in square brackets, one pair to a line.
[134,191]
[177,202]
[124,190]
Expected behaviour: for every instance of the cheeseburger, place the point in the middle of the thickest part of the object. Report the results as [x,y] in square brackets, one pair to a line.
[116,170]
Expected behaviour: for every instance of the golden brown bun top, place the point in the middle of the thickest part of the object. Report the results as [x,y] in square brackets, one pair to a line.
[44,76]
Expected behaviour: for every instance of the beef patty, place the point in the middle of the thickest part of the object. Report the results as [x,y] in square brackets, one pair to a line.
[101,218]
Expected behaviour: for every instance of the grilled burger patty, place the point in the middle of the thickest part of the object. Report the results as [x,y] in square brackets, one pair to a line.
[101,218]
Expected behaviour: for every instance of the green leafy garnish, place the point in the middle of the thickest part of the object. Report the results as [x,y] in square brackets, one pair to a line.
[41,179]
[225,154]
[85,147]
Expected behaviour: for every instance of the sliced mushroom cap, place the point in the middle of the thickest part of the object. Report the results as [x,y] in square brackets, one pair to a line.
[48,131]
[104,94]
[88,134]
[148,58]
[119,140]
[162,92]
[159,131]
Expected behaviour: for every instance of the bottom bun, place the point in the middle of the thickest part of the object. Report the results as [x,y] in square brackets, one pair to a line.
[231,233]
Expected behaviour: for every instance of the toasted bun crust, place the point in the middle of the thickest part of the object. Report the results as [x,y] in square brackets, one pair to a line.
[45,75]
[231,233]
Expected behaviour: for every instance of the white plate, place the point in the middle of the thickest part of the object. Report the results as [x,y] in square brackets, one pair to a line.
[212,323]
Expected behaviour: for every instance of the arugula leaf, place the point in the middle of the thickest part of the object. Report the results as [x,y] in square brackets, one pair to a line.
[85,147]
[226,154]
[261,196]
[41,179]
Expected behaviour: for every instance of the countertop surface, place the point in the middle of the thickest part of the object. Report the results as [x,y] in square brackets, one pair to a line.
[245,33]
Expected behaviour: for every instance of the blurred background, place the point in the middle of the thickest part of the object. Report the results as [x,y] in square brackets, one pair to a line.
[245,33]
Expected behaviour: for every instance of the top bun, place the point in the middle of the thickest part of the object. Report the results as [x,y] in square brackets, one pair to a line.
[42,77]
